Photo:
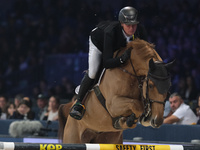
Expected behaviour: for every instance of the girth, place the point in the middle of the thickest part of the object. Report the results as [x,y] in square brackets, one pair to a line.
[100,96]
[102,101]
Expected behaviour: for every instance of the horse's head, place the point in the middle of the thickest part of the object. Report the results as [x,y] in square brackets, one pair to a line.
[146,63]
[155,90]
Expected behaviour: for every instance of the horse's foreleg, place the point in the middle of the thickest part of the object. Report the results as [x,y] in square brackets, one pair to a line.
[127,110]
[131,120]
[123,106]
[125,122]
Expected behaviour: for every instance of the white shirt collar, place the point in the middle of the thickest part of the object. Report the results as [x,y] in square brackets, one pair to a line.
[127,37]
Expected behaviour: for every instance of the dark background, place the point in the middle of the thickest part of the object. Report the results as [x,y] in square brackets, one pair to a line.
[44,43]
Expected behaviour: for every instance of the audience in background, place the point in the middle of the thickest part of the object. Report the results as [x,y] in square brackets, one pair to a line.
[42,107]
[54,103]
[198,110]
[24,111]
[18,99]
[27,37]
[181,87]
[11,108]
[191,91]
[180,112]
[3,104]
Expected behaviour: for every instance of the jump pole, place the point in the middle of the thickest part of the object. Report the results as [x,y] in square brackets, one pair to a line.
[38,146]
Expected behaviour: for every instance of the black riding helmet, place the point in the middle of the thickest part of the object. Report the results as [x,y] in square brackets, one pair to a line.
[128,15]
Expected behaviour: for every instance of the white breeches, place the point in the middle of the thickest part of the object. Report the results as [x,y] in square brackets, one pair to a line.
[94,59]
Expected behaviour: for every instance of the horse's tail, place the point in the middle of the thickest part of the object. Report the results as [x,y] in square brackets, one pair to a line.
[63,113]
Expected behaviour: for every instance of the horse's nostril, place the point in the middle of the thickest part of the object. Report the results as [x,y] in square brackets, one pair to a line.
[156,123]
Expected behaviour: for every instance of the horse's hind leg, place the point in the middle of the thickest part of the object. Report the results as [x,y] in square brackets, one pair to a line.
[72,133]
[62,121]
[63,112]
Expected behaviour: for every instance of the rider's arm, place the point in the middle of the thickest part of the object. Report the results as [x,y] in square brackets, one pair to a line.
[108,60]
[113,40]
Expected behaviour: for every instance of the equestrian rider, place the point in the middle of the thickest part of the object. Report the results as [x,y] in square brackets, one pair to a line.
[104,40]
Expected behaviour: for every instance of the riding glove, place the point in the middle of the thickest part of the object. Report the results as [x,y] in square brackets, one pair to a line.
[125,56]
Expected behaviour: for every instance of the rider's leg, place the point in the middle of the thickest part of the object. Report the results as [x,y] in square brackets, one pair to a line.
[94,61]
[78,109]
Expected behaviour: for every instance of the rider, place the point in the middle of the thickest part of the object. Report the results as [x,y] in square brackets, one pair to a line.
[104,40]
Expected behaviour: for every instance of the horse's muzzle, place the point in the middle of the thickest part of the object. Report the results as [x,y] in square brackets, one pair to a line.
[151,121]
[156,123]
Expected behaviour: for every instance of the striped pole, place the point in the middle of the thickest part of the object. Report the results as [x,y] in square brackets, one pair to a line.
[37,146]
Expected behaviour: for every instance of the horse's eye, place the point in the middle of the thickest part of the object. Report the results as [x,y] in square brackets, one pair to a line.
[150,86]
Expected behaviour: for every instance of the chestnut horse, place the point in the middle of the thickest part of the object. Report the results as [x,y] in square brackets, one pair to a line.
[133,92]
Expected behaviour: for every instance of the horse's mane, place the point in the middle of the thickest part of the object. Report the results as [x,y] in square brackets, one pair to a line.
[143,49]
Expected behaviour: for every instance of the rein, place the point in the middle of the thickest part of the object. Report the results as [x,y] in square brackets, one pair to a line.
[139,78]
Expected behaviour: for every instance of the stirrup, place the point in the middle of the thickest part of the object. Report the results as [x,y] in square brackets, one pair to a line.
[77,111]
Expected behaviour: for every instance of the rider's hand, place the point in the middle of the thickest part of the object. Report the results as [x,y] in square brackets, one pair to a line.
[125,56]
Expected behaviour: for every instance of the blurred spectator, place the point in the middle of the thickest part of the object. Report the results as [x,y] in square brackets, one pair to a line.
[2,85]
[198,110]
[191,91]
[23,63]
[69,88]
[196,75]
[43,86]
[60,91]
[65,90]
[31,30]
[181,87]
[3,104]
[18,99]
[181,113]
[11,108]
[35,92]
[54,103]
[23,111]
[42,106]
[167,110]
[29,100]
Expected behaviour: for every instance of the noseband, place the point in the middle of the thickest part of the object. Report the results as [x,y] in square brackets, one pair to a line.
[146,100]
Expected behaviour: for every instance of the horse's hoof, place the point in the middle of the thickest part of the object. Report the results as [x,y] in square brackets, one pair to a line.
[116,125]
[116,122]
[132,119]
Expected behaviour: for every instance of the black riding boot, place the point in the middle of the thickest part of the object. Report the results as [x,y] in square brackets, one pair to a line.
[78,110]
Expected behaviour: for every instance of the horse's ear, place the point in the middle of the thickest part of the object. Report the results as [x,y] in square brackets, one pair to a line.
[170,64]
[151,64]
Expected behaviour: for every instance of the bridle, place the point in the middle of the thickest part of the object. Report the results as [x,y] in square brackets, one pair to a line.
[147,101]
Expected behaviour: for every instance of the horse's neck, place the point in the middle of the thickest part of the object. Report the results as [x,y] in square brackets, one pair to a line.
[140,65]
